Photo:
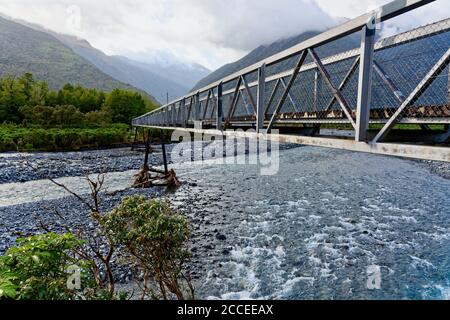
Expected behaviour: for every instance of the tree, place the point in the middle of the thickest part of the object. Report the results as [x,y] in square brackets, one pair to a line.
[37,95]
[52,99]
[27,83]
[39,115]
[121,105]
[67,116]
[154,237]
[124,105]
[12,97]
[90,100]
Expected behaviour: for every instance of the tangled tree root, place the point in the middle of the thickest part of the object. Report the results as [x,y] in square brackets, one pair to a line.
[172,180]
[142,179]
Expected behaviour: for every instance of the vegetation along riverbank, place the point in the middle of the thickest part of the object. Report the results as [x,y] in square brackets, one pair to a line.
[35,118]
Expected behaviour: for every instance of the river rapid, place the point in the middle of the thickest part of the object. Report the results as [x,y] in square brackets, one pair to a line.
[312,231]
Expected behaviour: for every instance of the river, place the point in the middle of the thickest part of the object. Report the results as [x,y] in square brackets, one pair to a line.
[314,230]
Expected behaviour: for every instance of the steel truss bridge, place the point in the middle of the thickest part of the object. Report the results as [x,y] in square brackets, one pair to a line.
[373,90]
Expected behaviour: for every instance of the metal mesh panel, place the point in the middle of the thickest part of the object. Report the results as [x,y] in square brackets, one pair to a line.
[407,67]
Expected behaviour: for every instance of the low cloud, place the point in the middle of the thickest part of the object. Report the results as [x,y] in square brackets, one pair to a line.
[209,32]
[244,25]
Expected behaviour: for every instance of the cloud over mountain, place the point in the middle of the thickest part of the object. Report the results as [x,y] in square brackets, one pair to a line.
[208,32]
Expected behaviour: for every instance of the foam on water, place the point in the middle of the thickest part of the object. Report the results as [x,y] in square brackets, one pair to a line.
[313,230]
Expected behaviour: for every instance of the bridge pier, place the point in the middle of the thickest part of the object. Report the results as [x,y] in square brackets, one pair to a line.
[260,104]
[219,111]
[365,80]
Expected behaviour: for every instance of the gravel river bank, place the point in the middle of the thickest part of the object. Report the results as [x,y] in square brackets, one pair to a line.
[308,232]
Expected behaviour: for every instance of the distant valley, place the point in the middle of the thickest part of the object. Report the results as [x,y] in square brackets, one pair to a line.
[60,59]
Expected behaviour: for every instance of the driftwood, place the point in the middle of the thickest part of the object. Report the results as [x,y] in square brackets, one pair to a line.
[172,180]
[144,179]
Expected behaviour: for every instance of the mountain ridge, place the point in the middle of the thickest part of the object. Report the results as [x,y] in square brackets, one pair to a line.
[24,49]
[121,68]
[155,79]
[264,51]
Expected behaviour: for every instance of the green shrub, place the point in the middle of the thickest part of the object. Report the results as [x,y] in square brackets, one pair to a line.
[124,105]
[37,269]
[57,139]
[38,115]
[154,237]
[18,93]
[67,116]
[97,118]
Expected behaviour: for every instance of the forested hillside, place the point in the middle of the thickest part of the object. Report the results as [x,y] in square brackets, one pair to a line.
[25,50]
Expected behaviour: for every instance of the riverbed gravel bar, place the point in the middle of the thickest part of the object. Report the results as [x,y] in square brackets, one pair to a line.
[213,236]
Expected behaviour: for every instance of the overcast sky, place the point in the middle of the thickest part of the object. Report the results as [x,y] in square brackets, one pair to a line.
[209,32]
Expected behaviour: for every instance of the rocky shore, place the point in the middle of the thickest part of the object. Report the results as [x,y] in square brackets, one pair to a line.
[209,237]
[13,167]
[441,169]
[212,235]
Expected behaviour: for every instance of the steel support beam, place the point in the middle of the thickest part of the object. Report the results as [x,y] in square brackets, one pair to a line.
[248,108]
[183,113]
[167,111]
[260,103]
[317,90]
[272,97]
[365,80]
[219,109]
[394,89]
[207,105]
[288,88]
[197,108]
[344,81]
[337,93]
[235,99]
[172,115]
[189,110]
[214,108]
[250,97]
[415,94]
[296,108]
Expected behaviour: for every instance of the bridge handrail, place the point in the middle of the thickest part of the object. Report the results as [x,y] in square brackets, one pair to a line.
[386,12]
[384,43]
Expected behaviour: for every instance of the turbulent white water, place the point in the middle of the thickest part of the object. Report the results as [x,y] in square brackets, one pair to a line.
[313,230]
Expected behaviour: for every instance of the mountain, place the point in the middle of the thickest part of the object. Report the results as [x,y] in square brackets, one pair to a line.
[24,49]
[265,51]
[157,79]
[182,73]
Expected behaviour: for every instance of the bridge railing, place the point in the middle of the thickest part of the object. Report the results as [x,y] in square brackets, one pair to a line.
[400,79]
